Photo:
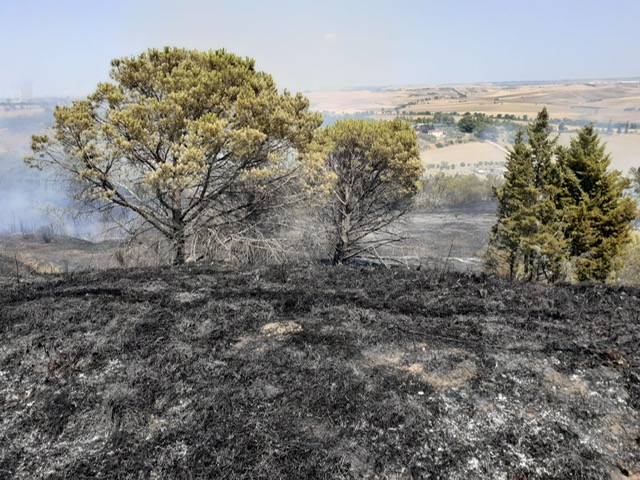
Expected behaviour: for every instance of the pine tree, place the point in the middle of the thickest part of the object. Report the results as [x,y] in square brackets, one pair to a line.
[516,199]
[635,179]
[561,205]
[529,229]
[373,171]
[598,214]
[186,143]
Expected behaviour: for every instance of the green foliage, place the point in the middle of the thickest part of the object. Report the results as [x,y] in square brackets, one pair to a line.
[467,123]
[374,171]
[528,231]
[453,190]
[562,214]
[629,274]
[443,118]
[598,214]
[475,124]
[182,140]
[635,180]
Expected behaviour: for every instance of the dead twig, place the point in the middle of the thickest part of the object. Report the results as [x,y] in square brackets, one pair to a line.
[15,257]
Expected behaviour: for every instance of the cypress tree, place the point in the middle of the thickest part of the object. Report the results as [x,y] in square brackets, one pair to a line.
[598,213]
[516,199]
[529,228]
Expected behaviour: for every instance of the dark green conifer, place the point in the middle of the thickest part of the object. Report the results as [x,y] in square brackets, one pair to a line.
[516,199]
[598,213]
[529,230]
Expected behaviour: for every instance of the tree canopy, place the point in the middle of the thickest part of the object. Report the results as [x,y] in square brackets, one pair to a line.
[635,179]
[476,123]
[598,214]
[184,140]
[528,229]
[561,213]
[373,171]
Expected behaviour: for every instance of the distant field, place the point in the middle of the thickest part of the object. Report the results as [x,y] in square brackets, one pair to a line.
[470,153]
[600,101]
[624,150]
[615,101]
[21,111]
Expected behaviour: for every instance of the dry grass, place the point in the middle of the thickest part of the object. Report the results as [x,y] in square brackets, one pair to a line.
[65,254]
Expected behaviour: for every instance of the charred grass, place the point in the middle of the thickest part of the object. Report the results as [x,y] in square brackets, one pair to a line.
[317,372]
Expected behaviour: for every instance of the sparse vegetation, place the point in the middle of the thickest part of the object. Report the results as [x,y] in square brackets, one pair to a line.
[442,190]
[629,273]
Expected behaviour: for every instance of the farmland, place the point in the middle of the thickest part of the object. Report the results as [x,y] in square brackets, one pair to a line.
[615,102]
[589,100]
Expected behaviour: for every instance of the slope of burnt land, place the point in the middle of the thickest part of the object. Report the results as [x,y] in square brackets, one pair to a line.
[317,372]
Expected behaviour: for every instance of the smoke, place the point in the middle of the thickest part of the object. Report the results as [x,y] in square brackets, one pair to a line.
[31,199]
[29,203]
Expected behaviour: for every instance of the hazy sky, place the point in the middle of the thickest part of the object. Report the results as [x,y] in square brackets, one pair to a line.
[63,47]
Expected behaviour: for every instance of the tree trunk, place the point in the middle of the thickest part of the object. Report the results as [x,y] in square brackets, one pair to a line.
[343,244]
[179,244]
[340,252]
[512,266]
[179,239]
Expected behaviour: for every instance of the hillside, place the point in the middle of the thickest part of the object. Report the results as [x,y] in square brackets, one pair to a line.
[596,100]
[317,372]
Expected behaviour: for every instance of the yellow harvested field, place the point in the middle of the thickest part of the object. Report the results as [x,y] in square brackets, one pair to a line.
[597,100]
[602,101]
[353,101]
[469,153]
[624,150]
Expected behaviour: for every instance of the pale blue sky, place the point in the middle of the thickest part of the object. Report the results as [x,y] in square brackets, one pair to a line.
[64,47]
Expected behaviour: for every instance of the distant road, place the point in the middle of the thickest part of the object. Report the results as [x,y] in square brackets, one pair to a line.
[499,147]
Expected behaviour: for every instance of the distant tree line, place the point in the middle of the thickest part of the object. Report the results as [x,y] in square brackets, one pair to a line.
[331,118]
[481,124]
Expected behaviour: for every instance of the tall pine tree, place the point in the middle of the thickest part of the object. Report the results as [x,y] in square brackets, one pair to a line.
[516,200]
[529,228]
[598,213]
[560,207]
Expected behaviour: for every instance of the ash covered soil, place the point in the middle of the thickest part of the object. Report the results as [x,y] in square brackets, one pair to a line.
[317,372]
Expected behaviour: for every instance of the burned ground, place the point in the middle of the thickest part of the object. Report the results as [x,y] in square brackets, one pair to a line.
[317,372]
